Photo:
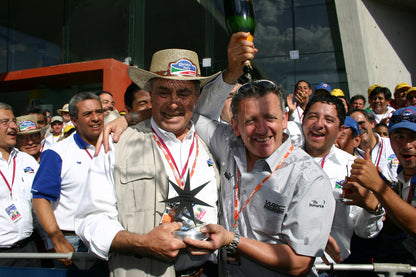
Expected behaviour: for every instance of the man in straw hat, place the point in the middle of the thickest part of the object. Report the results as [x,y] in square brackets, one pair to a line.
[29,137]
[64,112]
[150,160]
[17,170]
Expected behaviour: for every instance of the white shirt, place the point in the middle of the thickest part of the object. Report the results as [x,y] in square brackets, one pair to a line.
[62,176]
[383,156]
[387,114]
[348,218]
[25,170]
[297,114]
[49,141]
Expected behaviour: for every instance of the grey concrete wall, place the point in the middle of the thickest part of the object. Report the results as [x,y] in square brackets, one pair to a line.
[376,40]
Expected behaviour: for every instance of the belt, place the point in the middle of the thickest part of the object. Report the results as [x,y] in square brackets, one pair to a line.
[68,233]
[193,272]
[21,243]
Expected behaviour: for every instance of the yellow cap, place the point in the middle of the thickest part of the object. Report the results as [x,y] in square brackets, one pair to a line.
[68,128]
[410,90]
[371,88]
[337,92]
[401,85]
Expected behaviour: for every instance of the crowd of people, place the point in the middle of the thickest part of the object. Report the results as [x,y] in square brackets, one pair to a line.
[212,177]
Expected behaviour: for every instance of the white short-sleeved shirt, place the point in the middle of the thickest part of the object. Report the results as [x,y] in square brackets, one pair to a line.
[25,170]
[348,218]
[62,176]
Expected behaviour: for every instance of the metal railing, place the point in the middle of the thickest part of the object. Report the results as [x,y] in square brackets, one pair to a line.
[383,269]
[83,260]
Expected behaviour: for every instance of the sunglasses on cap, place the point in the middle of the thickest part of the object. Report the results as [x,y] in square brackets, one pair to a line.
[401,117]
[265,84]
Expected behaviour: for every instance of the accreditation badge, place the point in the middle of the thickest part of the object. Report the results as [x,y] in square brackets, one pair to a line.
[13,213]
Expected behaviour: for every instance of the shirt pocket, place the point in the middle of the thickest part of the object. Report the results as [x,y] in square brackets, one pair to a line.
[267,212]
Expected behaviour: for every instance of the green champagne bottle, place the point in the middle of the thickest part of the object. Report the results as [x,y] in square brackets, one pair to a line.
[240,17]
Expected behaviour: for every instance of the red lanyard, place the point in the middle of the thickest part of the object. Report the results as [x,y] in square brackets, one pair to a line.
[88,152]
[5,180]
[297,110]
[171,160]
[236,205]
[323,160]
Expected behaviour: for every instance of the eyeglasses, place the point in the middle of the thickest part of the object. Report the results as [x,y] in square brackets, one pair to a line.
[34,136]
[401,117]
[265,84]
[7,121]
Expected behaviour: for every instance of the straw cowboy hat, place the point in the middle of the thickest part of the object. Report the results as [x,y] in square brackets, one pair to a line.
[65,108]
[172,64]
[27,124]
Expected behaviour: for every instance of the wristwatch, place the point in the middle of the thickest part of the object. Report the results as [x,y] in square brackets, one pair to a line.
[378,211]
[232,247]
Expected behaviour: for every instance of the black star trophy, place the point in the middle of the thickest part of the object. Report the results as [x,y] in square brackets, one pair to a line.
[183,208]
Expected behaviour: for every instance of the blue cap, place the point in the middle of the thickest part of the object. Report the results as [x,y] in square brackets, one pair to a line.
[351,123]
[403,118]
[324,86]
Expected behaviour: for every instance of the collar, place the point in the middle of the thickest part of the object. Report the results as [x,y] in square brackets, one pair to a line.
[165,135]
[79,141]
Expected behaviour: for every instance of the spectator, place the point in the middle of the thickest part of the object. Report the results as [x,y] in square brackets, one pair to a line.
[399,100]
[399,201]
[136,99]
[379,103]
[39,115]
[411,97]
[68,130]
[62,174]
[382,129]
[357,102]
[301,93]
[48,117]
[340,94]
[17,172]
[322,124]
[29,137]
[64,113]
[56,132]
[322,88]
[350,137]
[107,102]
[382,154]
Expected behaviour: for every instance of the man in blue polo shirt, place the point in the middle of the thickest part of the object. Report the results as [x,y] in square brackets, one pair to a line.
[62,174]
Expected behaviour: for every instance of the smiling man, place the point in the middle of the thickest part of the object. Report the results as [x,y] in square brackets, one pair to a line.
[270,190]
[379,100]
[322,124]
[128,186]
[63,172]
[17,172]
[400,201]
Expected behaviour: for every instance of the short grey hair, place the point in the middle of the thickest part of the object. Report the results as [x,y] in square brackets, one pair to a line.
[73,109]
[257,89]
[5,106]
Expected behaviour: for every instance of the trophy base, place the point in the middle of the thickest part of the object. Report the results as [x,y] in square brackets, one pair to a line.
[192,233]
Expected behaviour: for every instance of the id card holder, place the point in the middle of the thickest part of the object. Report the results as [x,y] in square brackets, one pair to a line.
[13,213]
